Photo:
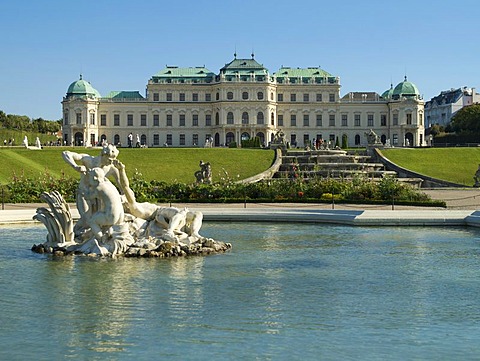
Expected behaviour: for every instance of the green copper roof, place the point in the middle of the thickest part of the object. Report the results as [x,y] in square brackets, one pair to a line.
[244,67]
[387,94]
[304,75]
[405,89]
[82,88]
[124,95]
[174,72]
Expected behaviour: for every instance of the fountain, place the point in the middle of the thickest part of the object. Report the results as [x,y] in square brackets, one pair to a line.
[112,222]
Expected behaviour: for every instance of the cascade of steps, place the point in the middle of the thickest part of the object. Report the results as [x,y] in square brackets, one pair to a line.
[334,164]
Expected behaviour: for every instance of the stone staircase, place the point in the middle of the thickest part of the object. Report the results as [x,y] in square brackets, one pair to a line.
[334,164]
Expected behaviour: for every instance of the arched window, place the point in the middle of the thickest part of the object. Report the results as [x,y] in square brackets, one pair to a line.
[261,137]
[272,119]
[217,119]
[271,96]
[229,95]
[244,118]
[260,119]
[230,118]
[357,139]
[245,136]
[260,95]
[245,95]
[217,96]
[143,139]
[229,138]
[116,139]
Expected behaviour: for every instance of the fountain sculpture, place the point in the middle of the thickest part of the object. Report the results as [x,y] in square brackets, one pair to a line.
[112,222]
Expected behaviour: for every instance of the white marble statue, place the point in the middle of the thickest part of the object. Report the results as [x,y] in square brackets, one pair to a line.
[25,142]
[38,144]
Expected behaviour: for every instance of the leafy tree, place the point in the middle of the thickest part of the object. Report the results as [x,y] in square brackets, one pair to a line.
[467,120]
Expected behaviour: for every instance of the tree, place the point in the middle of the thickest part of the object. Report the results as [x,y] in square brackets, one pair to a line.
[467,120]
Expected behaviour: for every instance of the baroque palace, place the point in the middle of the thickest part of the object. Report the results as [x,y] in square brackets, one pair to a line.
[185,107]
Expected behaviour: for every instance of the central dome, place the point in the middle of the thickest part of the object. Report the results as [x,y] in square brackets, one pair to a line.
[82,88]
[405,89]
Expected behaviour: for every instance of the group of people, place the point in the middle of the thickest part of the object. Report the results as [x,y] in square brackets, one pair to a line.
[130,141]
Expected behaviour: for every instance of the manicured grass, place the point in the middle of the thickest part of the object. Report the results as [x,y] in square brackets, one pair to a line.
[457,165]
[162,164]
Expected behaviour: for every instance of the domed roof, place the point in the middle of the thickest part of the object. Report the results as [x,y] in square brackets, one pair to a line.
[82,88]
[387,94]
[405,89]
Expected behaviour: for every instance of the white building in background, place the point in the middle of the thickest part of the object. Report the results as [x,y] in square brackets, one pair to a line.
[440,109]
[183,107]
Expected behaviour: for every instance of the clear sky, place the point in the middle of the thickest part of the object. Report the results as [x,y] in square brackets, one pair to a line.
[119,45]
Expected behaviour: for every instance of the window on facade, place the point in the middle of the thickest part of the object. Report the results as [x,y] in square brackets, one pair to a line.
[156,139]
[143,120]
[65,118]
[155,97]
[182,97]
[395,139]
[357,120]
[169,120]
[293,140]
[208,97]
[293,120]
[306,97]
[370,120]
[306,139]
[182,139]
[245,95]
[280,120]
[116,120]
[169,97]
[395,118]
[272,119]
[195,139]
[260,118]
[217,119]
[319,120]
[92,119]
[156,120]
[217,96]
[208,120]
[169,139]
[331,120]
[271,96]
[244,118]
[130,120]
[409,118]
[230,118]
[344,120]
[357,139]
[331,97]
[420,118]
[383,120]
[260,95]
[319,97]
[79,118]
[181,120]
[230,95]
[293,97]
[306,120]
[195,97]
[280,97]
[103,119]
[116,139]
[195,120]
[143,139]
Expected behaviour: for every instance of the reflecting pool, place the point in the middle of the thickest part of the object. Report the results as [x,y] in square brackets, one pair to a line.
[284,292]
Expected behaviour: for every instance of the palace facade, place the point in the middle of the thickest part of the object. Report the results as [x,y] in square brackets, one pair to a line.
[185,107]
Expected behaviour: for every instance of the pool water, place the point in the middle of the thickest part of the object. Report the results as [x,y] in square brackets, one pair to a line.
[284,292]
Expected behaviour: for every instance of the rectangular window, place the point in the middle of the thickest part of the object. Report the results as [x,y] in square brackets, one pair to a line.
[279,97]
[169,97]
[195,97]
[331,97]
[103,119]
[383,120]
[143,120]
[79,118]
[306,120]
[357,120]
[169,120]
[116,120]
[409,118]
[331,120]
[182,139]
[92,118]
[420,118]
[293,120]
[181,121]
[395,139]
[370,120]
[156,139]
[306,97]
[319,97]
[155,97]
[293,97]
[344,120]
[208,120]
[293,140]
[182,97]
[195,139]
[306,140]
[280,120]
[156,120]
[395,119]
[195,120]
[319,120]
[208,97]
[65,119]
[129,120]
[169,139]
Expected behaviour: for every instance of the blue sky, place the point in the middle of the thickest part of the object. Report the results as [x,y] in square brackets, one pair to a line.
[119,45]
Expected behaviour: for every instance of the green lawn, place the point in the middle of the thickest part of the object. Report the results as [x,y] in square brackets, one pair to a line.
[163,164]
[457,165]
